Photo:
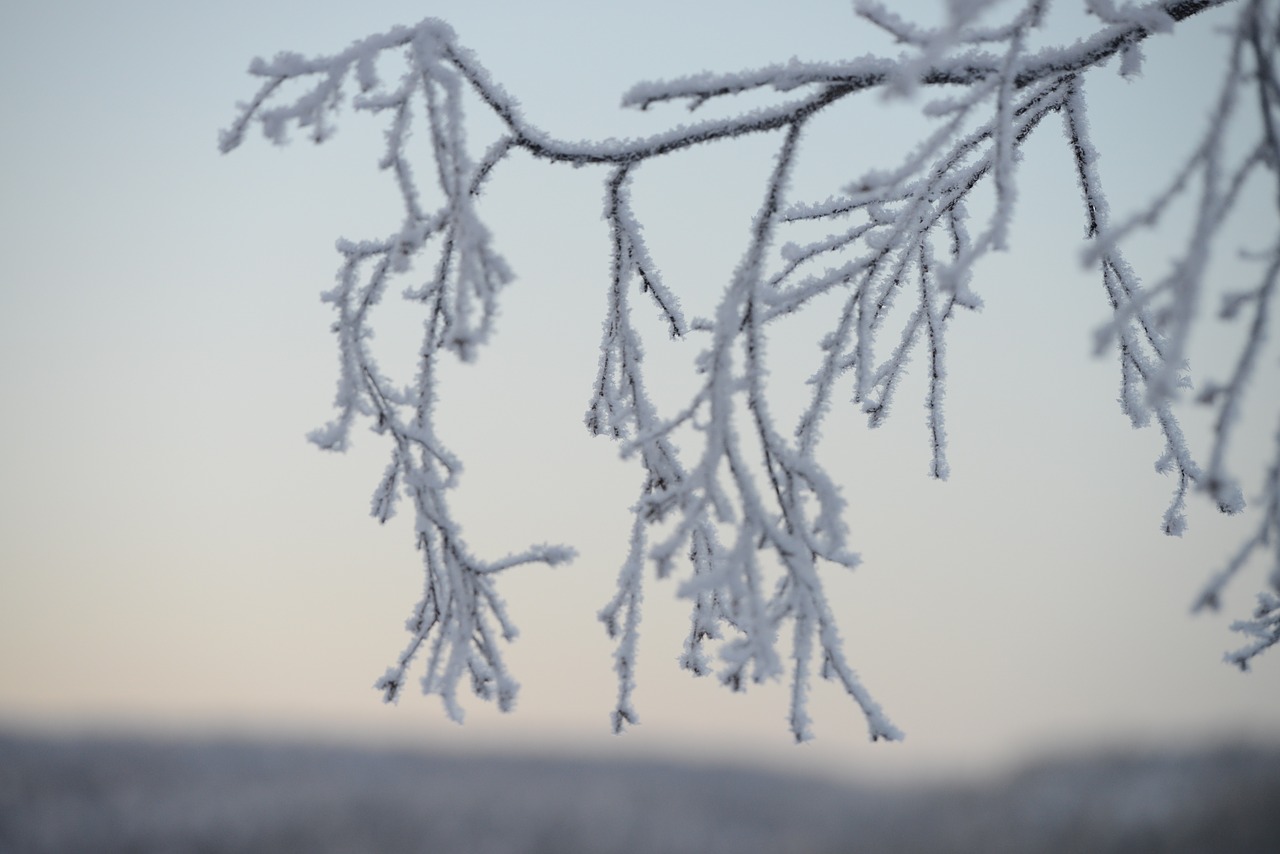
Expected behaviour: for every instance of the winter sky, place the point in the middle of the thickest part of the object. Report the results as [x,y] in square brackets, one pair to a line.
[175,556]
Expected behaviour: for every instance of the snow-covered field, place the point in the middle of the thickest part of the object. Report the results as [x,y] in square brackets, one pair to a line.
[102,795]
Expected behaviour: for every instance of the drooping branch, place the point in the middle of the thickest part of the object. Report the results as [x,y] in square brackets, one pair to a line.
[1256,36]
[754,511]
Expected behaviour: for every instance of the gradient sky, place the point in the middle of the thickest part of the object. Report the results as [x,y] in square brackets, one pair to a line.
[175,556]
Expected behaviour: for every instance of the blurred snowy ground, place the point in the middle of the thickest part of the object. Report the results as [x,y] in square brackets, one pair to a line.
[104,795]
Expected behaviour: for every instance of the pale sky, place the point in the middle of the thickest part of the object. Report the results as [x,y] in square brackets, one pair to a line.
[175,556]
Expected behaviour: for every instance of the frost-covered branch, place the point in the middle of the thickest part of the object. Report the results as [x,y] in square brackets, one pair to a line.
[1153,325]
[748,503]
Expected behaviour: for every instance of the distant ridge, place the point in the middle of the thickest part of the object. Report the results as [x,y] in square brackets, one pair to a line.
[121,795]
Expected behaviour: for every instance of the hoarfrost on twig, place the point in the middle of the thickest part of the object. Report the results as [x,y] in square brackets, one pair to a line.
[757,516]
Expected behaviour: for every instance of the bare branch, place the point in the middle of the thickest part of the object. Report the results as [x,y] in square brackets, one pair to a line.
[757,516]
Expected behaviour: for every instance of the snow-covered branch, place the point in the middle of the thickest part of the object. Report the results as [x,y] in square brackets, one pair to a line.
[751,506]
